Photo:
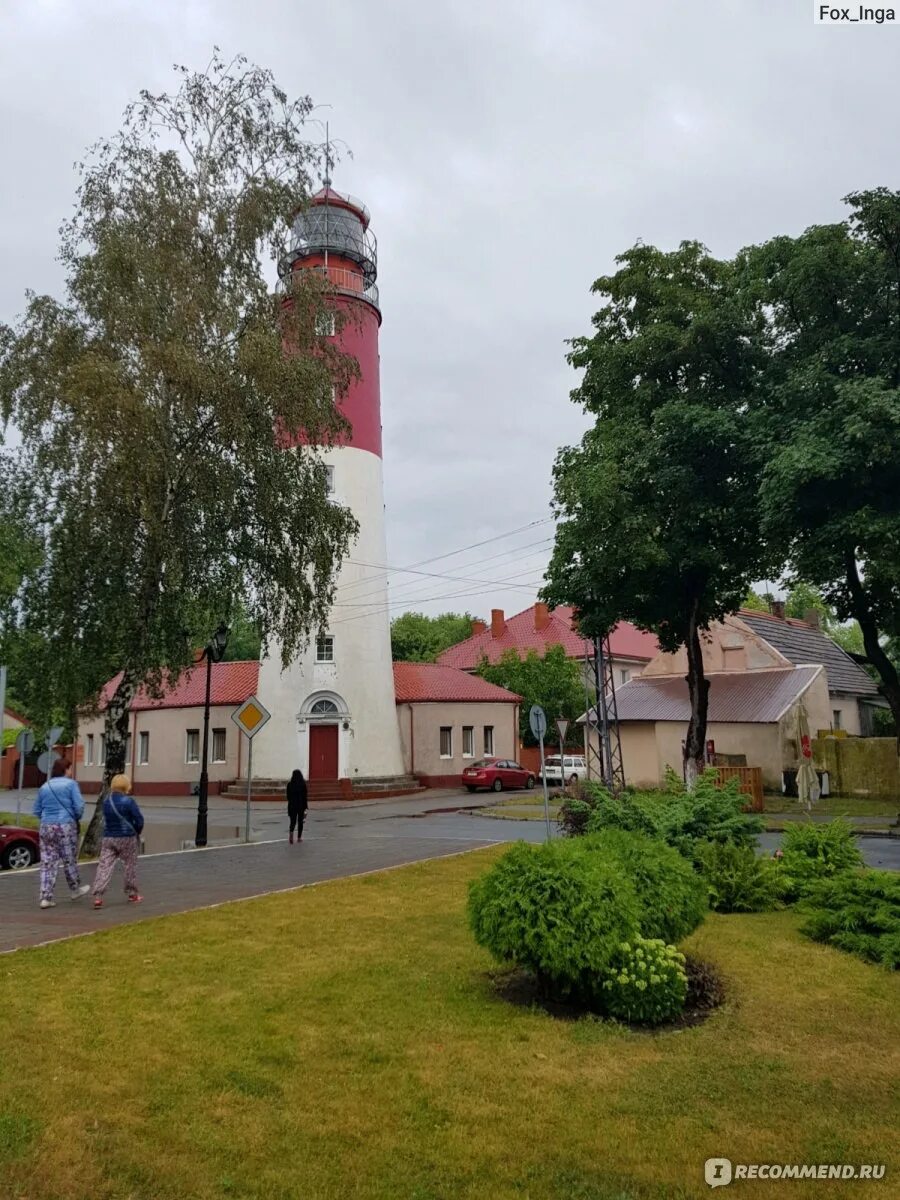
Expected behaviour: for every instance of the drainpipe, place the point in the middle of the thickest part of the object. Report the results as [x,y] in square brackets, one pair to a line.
[412,743]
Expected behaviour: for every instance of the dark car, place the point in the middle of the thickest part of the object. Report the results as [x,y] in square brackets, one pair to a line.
[497,774]
[19,847]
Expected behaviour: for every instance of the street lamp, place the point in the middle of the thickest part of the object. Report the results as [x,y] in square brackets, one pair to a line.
[215,649]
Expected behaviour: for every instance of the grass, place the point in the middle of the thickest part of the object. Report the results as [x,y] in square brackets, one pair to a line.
[24,820]
[347,1040]
[835,806]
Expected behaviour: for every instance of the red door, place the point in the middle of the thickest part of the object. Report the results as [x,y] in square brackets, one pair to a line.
[323,751]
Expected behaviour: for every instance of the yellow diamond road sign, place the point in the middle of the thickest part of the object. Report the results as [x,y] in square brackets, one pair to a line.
[251,716]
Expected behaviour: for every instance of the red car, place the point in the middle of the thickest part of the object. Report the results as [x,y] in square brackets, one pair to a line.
[19,847]
[496,774]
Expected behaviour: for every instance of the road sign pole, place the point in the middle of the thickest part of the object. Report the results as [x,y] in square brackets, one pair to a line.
[249,787]
[546,794]
[21,782]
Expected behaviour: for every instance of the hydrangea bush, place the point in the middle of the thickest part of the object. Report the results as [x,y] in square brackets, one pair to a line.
[646,983]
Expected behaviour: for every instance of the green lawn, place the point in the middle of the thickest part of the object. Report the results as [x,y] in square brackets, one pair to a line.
[25,820]
[346,1041]
[836,806]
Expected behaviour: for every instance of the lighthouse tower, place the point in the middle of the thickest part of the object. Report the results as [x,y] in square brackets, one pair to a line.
[333,709]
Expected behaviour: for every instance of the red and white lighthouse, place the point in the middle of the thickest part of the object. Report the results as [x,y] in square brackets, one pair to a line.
[333,709]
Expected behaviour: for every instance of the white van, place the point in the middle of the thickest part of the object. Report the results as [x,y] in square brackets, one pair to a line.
[574,768]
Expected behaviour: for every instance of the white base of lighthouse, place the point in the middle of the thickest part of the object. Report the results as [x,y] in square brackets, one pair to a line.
[333,710]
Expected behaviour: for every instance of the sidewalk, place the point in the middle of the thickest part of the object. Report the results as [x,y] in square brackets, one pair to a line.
[179,882]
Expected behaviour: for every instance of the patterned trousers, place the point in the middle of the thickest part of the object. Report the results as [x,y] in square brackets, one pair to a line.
[111,849]
[59,848]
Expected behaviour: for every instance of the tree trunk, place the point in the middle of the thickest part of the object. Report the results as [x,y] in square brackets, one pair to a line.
[698,691]
[862,610]
[117,718]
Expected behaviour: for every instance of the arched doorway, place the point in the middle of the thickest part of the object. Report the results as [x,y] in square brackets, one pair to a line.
[325,716]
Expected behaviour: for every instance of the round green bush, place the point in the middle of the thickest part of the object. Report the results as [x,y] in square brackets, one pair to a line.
[558,910]
[737,879]
[646,983]
[672,896]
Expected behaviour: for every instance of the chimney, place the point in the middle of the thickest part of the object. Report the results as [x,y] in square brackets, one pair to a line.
[811,617]
[478,627]
[541,617]
[498,622]
[777,607]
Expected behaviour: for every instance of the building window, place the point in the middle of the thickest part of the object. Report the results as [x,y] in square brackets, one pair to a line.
[192,746]
[325,324]
[329,481]
[324,648]
[836,719]
[101,761]
[127,749]
[324,708]
[624,675]
[89,751]
[468,741]
[218,746]
[446,741]
[143,748]
[489,739]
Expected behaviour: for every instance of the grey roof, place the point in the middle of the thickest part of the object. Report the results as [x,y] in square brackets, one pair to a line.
[801,643]
[757,697]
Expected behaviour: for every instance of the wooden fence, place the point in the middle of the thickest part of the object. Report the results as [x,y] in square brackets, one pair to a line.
[750,782]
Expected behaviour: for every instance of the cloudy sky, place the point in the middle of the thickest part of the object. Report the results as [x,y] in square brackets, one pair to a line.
[508,151]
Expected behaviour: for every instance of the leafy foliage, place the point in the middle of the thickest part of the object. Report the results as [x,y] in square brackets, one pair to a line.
[646,983]
[671,894]
[813,850]
[416,637]
[557,909]
[156,403]
[736,878]
[706,988]
[658,506]
[552,681]
[709,813]
[830,413]
[858,911]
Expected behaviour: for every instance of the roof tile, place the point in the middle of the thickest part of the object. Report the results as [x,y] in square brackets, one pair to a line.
[520,635]
[801,643]
[428,682]
[232,683]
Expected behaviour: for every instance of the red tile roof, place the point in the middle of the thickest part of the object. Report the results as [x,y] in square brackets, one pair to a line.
[520,635]
[428,682]
[232,683]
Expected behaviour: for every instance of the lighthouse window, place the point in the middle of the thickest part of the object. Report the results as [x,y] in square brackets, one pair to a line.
[325,324]
[324,708]
[446,741]
[324,648]
[329,480]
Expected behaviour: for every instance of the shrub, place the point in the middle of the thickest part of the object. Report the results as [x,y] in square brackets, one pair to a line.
[737,879]
[815,851]
[671,895]
[646,983]
[556,909]
[857,911]
[679,817]
[573,815]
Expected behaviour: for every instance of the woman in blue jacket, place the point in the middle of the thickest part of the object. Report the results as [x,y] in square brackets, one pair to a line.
[122,825]
[60,807]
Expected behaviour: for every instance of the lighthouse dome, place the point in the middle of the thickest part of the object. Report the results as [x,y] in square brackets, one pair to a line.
[336,224]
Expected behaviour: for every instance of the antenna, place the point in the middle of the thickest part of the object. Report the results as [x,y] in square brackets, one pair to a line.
[328,160]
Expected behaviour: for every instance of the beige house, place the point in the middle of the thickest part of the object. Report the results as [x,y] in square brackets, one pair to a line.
[754,696]
[449,719]
[165,743]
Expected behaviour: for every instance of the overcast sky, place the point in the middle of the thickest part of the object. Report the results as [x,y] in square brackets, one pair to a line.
[508,151]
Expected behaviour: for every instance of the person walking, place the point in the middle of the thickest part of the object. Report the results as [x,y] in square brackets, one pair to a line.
[60,807]
[298,803]
[122,825]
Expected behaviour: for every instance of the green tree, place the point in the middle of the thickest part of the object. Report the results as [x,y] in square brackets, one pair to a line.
[418,638]
[156,404]
[658,506]
[554,682]
[753,600]
[830,489]
[244,637]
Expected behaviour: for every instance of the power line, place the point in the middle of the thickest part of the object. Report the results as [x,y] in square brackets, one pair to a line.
[375,608]
[383,569]
[431,575]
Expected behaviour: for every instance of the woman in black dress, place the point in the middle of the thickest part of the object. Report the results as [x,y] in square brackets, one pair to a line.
[297,804]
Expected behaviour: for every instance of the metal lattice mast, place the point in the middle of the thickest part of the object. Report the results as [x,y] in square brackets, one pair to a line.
[612,770]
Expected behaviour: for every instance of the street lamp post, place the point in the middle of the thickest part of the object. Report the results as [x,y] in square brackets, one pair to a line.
[214,651]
